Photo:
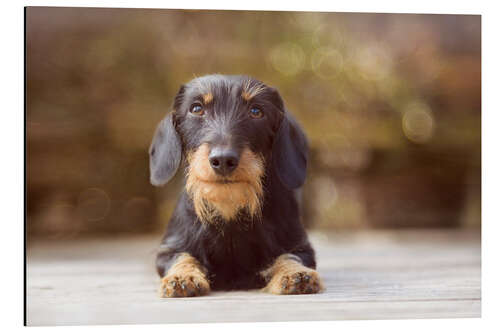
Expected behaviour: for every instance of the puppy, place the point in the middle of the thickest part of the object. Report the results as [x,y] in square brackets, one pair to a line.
[236,224]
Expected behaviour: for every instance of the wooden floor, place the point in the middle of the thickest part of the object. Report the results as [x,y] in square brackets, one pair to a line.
[368,275]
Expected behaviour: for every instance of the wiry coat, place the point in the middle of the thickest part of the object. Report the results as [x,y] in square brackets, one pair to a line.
[234,253]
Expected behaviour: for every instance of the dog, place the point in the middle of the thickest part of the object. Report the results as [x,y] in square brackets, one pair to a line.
[236,224]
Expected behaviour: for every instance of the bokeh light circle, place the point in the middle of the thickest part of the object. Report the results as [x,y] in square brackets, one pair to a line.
[374,62]
[327,63]
[287,58]
[418,122]
[93,204]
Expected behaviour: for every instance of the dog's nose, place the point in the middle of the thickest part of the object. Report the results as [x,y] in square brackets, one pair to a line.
[223,161]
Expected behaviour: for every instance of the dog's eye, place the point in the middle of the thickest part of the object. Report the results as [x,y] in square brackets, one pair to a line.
[256,113]
[196,109]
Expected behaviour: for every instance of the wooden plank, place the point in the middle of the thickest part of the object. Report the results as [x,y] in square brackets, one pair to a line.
[368,275]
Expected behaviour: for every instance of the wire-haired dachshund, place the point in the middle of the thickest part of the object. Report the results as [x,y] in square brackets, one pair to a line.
[236,224]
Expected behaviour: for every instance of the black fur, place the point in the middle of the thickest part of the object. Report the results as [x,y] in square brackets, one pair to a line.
[165,152]
[234,253]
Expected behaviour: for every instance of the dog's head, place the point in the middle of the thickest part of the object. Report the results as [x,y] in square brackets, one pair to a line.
[231,130]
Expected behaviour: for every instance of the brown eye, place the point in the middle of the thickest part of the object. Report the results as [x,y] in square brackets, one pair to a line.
[197,109]
[256,113]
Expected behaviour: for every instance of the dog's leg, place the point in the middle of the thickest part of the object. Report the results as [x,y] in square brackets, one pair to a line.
[186,277]
[288,275]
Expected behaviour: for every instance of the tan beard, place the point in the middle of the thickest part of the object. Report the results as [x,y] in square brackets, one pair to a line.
[214,196]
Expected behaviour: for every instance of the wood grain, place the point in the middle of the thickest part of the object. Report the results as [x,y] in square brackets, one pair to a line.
[367,275]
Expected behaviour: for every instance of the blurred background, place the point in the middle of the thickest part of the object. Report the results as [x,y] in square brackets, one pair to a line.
[391,104]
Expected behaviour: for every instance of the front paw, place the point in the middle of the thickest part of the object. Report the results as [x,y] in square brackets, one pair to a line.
[184,286]
[287,276]
[300,282]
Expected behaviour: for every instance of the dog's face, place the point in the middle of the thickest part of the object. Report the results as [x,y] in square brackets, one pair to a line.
[231,131]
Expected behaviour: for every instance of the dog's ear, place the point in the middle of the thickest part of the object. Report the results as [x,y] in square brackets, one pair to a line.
[165,152]
[290,150]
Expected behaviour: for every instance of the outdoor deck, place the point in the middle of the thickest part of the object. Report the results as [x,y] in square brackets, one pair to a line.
[368,275]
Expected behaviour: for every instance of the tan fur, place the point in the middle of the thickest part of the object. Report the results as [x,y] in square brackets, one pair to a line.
[249,91]
[208,98]
[288,276]
[212,198]
[185,278]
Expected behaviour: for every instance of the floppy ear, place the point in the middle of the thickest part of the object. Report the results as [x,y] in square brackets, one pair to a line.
[290,150]
[165,152]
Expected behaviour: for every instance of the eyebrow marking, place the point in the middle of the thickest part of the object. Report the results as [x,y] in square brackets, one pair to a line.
[208,98]
[250,91]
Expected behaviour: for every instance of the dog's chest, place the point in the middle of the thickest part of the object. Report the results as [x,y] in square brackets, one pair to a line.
[236,255]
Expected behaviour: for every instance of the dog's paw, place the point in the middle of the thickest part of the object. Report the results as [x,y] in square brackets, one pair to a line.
[292,278]
[301,282]
[184,286]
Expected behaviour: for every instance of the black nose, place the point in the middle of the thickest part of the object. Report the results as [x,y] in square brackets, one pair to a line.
[223,160]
